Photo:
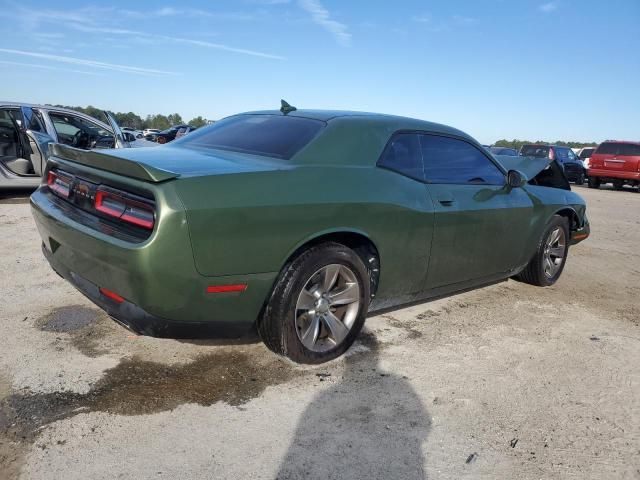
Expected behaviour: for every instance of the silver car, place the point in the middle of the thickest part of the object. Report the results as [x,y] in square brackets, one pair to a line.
[27,130]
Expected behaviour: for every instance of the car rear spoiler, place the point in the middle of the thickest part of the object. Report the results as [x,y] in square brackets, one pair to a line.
[112,163]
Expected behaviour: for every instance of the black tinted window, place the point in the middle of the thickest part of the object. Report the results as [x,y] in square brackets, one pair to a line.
[447,160]
[587,152]
[402,155]
[270,135]
[539,151]
[562,154]
[622,149]
[629,149]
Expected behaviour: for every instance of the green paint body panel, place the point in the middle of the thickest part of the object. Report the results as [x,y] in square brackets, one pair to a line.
[226,218]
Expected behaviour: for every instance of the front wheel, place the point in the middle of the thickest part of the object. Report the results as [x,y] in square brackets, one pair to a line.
[318,305]
[580,179]
[547,264]
[594,182]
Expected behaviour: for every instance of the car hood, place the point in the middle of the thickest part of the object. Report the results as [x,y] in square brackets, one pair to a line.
[529,166]
[167,162]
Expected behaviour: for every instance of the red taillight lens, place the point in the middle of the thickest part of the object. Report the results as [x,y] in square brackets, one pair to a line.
[111,295]
[552,154]
[59,184]
[126,209]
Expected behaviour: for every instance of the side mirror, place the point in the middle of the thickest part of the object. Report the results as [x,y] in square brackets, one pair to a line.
[129,137]
[516,179]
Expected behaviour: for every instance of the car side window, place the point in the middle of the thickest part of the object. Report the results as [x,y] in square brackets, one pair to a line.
[572,156]
[449,160]
[562,155]
[77,131]
[402,155]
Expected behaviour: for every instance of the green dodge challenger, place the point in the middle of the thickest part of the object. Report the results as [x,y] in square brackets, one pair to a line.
[298,223]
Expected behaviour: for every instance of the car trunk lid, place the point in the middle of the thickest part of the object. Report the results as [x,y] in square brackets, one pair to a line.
[165,163]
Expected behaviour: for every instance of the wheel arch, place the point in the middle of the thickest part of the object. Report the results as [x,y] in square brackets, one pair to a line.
[571,215]
[356,240]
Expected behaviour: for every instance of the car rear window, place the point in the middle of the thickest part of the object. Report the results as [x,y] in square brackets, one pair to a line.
[621,149]
[269,135]
[539,151]
[586,152]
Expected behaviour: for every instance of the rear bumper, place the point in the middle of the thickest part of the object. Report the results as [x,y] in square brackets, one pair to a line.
[163,293]
[618,174]
[139,321]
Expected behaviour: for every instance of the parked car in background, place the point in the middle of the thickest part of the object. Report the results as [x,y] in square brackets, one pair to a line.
[584,154]
[615,162]
[184,131]
[132,131]
[149,131]
[166,136]
[27,130]
[356,212]
[512,152]
[571,164]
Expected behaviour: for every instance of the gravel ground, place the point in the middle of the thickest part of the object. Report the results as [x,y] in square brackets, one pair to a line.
[509,381]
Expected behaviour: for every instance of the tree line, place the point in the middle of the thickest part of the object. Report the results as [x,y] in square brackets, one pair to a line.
[519,143]
[132,120]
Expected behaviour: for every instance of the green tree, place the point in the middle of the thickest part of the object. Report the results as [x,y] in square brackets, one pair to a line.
[175,119]
[198,122]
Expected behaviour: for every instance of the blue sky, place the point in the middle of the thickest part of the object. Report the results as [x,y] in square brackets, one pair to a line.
[560,69]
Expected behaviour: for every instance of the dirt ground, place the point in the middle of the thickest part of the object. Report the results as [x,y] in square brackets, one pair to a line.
[509,381]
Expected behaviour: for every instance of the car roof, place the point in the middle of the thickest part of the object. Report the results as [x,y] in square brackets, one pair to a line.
[393,121]
[621,141]
[35,105]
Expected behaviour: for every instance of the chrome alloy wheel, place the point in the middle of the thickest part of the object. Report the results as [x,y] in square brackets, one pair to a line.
[555,249]
[327,307]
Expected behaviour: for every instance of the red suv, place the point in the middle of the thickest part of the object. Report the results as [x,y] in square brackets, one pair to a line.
[615,162]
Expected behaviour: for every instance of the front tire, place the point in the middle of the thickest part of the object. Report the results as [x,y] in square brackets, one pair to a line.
[318,305]
[594,182]
[580,179]
[546,266]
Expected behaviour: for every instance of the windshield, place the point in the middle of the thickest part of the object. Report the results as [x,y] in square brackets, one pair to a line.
[503,151]
[269,135]
[538,151]
[586,152]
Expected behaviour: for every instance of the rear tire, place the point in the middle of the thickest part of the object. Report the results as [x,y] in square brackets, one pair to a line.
[318,305]
[594,182]
[546,266]
[580,179]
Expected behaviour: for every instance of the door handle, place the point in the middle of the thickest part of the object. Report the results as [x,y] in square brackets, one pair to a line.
[445,199]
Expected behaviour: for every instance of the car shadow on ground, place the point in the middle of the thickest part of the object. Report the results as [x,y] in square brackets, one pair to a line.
[369,424]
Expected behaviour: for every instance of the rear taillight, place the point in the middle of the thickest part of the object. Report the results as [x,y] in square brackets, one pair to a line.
[59,184]
[552,154]
[126,209]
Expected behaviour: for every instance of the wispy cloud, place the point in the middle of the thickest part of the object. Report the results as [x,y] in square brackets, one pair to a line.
[424,18]
[322,17]
[90,20]
[48,67]
[548,7]
[462,20]
[168,38]
[89,63]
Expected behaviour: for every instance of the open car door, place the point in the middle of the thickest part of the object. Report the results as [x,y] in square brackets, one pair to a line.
[120,140]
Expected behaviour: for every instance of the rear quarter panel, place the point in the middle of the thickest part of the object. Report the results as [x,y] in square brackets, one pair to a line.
[252,222]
